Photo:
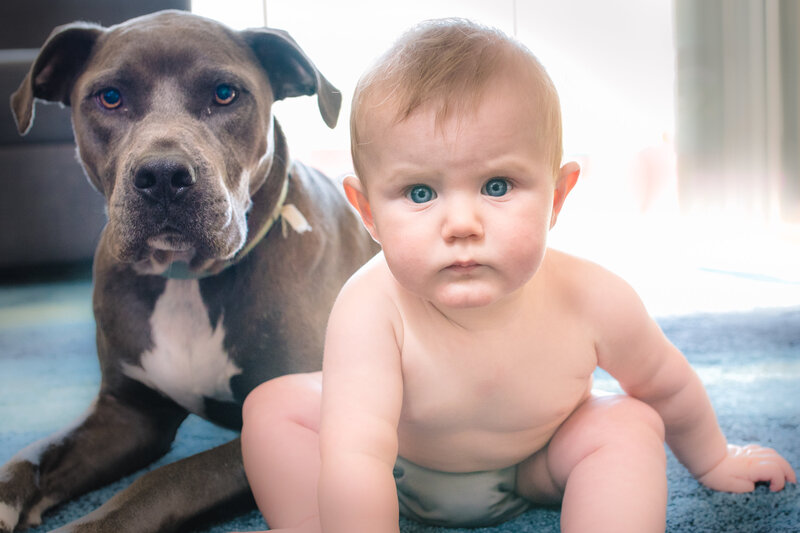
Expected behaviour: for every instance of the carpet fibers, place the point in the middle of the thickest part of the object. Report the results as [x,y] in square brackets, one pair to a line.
[749,362]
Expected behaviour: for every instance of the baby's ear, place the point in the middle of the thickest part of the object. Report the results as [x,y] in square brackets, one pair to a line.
[357,196]
[567,178]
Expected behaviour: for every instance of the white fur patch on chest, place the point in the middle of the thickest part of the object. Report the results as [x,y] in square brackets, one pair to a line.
[188,361]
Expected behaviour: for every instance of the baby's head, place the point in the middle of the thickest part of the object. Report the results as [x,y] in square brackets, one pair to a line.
[447,65]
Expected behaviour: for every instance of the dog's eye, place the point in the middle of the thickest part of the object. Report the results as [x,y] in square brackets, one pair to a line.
[109,98]
[225,94]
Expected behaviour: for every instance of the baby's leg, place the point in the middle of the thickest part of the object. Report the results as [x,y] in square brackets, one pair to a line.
[280,448]
[608,461]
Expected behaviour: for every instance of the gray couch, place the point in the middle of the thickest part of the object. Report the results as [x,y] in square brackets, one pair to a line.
[49,213]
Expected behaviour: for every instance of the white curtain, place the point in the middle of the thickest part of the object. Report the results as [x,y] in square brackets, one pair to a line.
[737,107]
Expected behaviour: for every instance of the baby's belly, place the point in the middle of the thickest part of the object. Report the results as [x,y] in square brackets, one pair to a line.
[471,451]
[472,446]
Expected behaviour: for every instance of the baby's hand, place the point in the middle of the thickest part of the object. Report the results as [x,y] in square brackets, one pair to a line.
[745,465]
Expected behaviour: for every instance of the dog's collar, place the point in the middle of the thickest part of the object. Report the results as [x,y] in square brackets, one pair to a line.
[288,214]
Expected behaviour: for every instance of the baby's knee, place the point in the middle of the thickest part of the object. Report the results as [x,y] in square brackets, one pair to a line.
[632,418]
[649,418]
[282,397]
[607,431]
[614,421]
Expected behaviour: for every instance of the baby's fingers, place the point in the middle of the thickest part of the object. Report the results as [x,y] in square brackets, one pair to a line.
[773,473]
[765,464]
[785,473]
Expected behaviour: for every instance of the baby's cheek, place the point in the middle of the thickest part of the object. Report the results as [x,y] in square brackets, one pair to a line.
[525,253]
[407,266]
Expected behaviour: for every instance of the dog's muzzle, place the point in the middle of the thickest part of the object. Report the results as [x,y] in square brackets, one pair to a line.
[164,179]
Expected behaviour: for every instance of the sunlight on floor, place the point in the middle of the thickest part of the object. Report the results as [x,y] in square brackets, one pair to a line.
[682,265]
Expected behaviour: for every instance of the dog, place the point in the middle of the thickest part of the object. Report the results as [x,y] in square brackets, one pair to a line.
[216,269]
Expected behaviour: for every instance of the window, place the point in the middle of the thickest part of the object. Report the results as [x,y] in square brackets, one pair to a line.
[613,63]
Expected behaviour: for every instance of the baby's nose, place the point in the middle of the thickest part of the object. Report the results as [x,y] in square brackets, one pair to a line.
[462,221]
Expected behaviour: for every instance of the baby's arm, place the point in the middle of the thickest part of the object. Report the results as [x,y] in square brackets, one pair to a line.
[635,351]
[362,396]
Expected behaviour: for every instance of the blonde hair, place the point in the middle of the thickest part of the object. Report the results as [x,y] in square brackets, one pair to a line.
[450,62]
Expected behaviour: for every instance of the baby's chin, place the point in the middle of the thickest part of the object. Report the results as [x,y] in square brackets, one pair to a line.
[463,297]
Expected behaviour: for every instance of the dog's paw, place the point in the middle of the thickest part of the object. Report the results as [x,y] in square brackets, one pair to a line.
[12,517]
[33,517]
[21,501]
[9,517]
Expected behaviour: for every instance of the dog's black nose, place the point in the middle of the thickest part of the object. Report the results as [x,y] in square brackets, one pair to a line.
[163,179]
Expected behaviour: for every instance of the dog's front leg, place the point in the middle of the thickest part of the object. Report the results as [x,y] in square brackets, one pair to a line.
[166,499]
[114,438]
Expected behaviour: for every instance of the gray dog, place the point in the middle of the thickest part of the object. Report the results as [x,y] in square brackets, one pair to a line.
[217,268]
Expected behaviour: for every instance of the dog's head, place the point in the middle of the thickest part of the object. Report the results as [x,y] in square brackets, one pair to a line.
[172,116]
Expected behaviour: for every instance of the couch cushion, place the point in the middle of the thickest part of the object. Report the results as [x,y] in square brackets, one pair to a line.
[48,210]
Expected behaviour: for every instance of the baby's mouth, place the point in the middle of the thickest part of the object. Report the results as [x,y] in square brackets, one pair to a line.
[463,267]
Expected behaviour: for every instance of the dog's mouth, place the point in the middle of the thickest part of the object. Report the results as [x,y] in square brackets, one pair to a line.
[174,253]
[170,240]
[197,232]
[167,247]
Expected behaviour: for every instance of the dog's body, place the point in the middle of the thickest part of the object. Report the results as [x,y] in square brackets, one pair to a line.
[173,122]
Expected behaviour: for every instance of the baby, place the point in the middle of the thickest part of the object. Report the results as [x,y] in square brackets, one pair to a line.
[457,377]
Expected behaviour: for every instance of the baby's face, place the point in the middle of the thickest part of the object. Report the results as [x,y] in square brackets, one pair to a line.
[462,209]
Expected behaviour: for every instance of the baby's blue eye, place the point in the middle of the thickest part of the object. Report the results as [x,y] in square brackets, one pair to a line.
[496,187]
[225,94]
[419,194]
[110,98]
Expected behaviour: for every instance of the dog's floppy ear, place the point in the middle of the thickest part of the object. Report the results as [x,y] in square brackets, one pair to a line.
[291,72]
[55,70]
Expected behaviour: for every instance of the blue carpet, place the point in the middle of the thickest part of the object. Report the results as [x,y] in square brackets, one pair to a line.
[750,363]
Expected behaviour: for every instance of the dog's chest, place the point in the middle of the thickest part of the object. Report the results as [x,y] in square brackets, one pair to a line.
[188,361]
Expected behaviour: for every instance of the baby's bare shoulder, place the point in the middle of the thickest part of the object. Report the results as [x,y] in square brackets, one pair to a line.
[373,277]
[581,276]
[610,312]
[568,264]
[590,288]
[367,303]
[370,287]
